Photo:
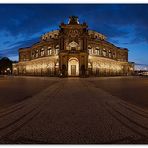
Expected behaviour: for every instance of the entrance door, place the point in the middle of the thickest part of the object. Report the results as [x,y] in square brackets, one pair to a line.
[73,70]
[73,67]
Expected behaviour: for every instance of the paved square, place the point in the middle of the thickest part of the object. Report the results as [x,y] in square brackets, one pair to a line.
[73,110]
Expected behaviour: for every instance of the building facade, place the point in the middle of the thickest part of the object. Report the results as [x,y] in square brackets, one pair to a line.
[73,50]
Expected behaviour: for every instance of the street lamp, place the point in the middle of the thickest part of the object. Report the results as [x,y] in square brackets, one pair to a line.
[8,71]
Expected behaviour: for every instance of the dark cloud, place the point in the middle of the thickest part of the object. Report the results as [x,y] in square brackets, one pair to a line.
[13,50]
[25,43]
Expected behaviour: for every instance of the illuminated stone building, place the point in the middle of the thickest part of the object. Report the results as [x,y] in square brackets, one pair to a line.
[73,50]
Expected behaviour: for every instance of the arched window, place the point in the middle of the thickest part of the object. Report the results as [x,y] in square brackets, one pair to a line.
[90,49]
[57,49]
[49,51]
[97,51]
[42,52]
[73,45]
[109,54]
[104,52]
[37,53]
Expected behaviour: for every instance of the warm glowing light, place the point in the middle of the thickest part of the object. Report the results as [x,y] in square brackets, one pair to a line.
[73,66]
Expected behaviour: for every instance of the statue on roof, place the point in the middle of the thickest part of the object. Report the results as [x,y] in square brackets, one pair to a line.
[73,20]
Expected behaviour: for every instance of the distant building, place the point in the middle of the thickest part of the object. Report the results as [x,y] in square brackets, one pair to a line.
[141,69]
[73,50]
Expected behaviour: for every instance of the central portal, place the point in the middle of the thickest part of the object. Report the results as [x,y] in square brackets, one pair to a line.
[73,67]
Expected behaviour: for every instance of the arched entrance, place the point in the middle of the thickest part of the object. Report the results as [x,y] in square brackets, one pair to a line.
[73,67]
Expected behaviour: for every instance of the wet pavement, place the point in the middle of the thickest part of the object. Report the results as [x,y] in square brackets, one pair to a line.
[73,110]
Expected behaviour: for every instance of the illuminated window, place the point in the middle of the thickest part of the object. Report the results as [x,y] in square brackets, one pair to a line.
[42,52]
[89,49]
[109,54]
[57,49]
[37,53]
[73,45]
[49,51]
[104,52]
[97,51]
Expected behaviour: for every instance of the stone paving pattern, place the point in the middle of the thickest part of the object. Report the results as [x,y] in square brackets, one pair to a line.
[73,111]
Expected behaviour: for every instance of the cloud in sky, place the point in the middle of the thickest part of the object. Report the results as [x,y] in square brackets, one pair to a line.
[124,25]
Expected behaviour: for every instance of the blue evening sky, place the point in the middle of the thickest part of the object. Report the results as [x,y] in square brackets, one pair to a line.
[125,25]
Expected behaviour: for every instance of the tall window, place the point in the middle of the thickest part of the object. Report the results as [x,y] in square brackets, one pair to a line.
[97,51]
[104,52]
[42,52]
[49,51]
[109,54]
[89,49]
[37,53]
[57,49]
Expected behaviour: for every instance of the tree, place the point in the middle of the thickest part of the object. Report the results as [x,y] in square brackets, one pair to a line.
[5,66]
